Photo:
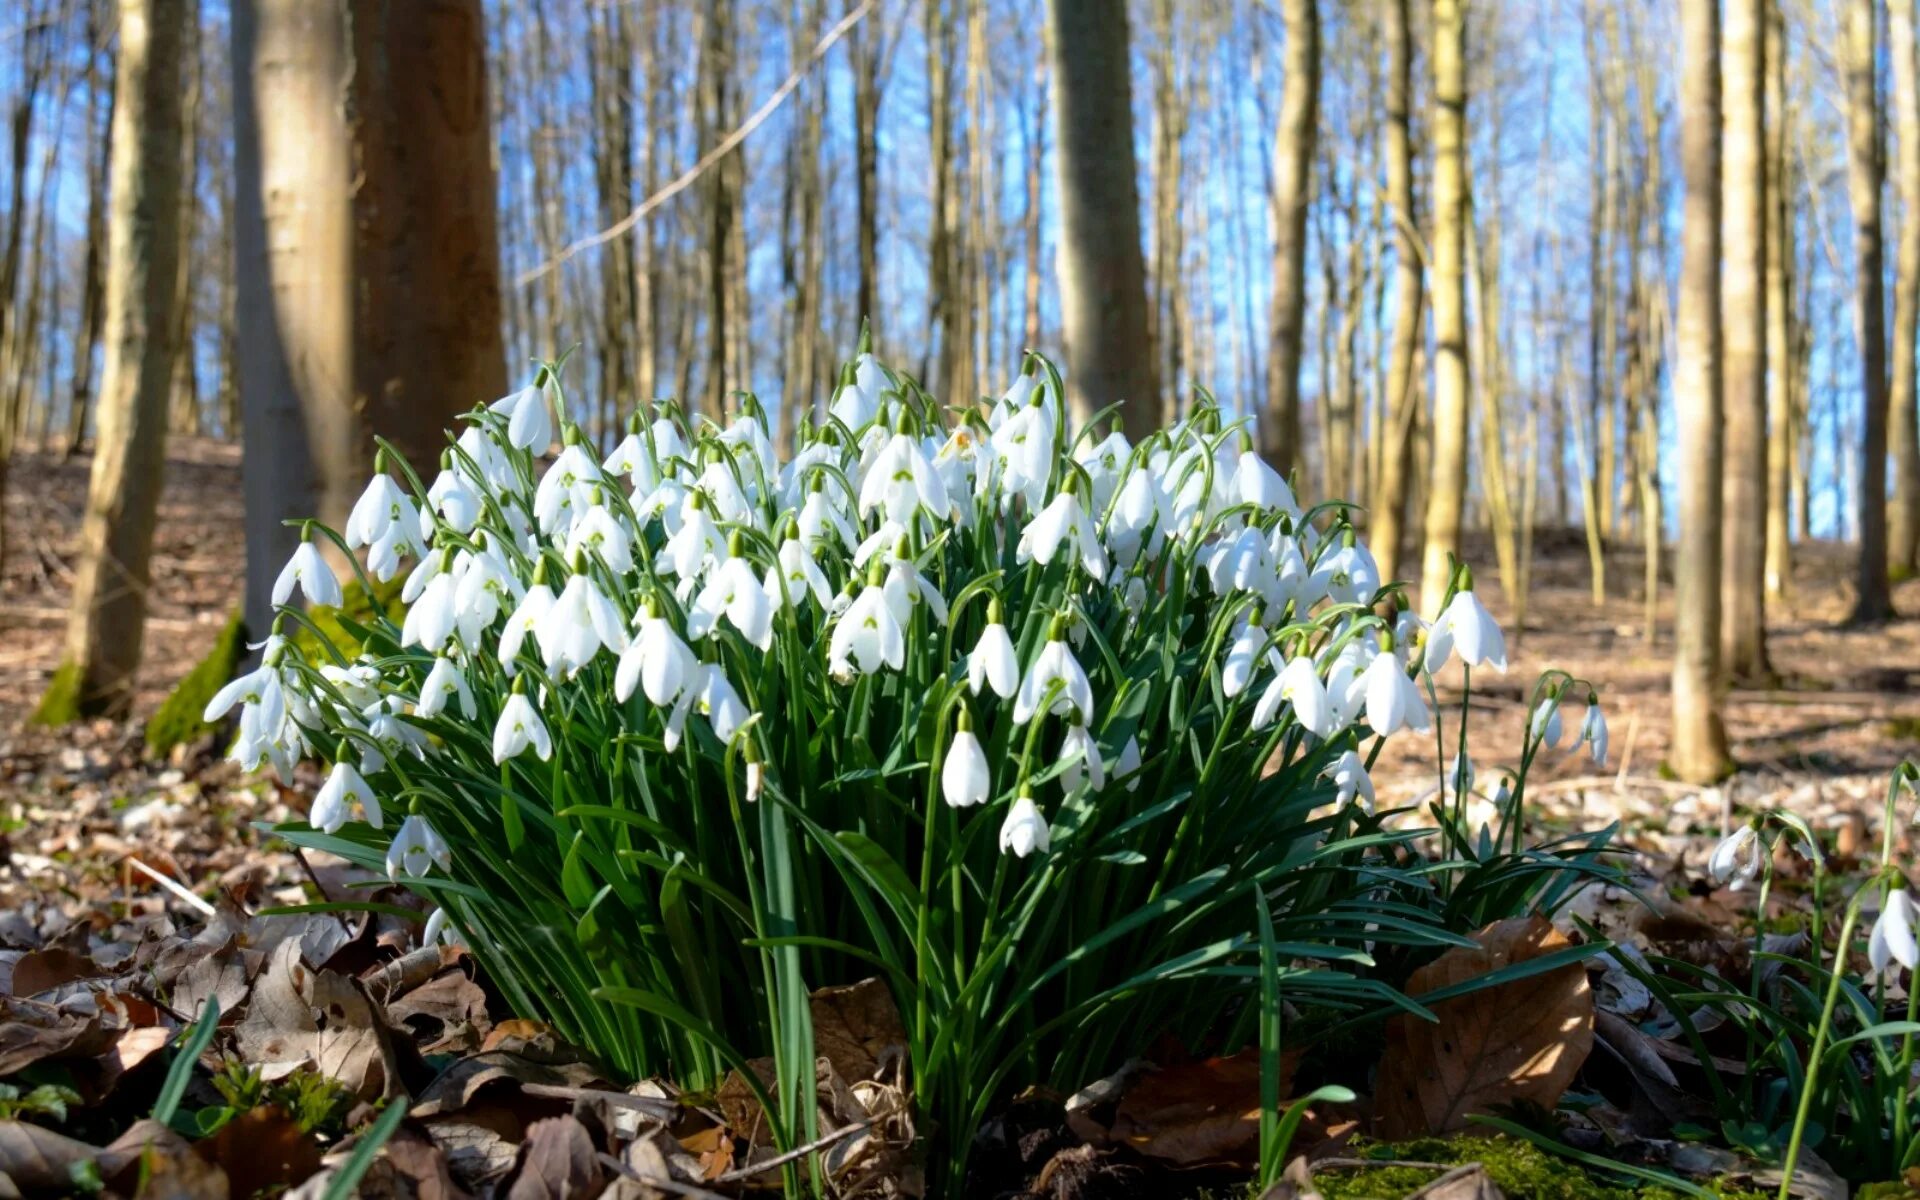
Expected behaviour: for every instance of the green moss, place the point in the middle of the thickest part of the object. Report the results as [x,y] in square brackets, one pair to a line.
[1904,729]
[60,705]
[178,719]
[1520,1169]
[358,605]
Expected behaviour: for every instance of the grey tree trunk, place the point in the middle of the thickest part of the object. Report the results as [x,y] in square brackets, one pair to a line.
[105,632]
[1447,487]
[1292,197]
[1388,519]
[1903,520]
[1103,274]
[1744,321]
[1866,172]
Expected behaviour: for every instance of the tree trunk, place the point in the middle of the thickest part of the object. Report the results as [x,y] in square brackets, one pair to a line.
[1903,518]
[1743,302]
[1866,172]
[1698,752]
[866,125]
[93,286]
[1779,303]
[1448,481]
[1400,411]
[1103,277]
[367,264]
[116,535]
[1293,152]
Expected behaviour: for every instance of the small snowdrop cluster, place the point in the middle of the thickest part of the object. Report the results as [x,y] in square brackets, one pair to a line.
[711,592]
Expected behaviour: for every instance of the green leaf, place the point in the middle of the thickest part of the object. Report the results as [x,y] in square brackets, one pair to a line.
[345,1183]
[181,1069]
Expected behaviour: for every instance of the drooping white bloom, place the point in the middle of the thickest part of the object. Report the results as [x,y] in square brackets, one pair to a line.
[901,481]
[1056,672]
[1350,779]
[1023,452]
[529,424]
[1104,462]
[1127,766]
[993,662]
[1347,574]
[965,778]
[1024,830]
[1141,507]
[1298,685]
[519,729]
[733,591]
[1460,776]
[718,702]
[698,543]
[658,661]
[867,637]
[1241,563]
[445,681]
[566,490]
[454,497]
[523,620]
[1466,626]
[434,616]
[1892,939]
[599,531]
[486,586]
[257,689]
[381,510]
[1080,755]
[333,803]
[1254,482]
[308,570]
[1394,701]
[1593,732]
[794,576]
[1062,523]
[856,404]
[1738,857]
[1239,668]
[417,849]
[1546,721]
[820,516]
[578,624]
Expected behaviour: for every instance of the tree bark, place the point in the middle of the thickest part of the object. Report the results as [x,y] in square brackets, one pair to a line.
[1866,172]
[105,632]
[367,263]
[1698,749]
[1743,302]
[1447,487]
[1103,279]
[1400,411]
[1780,258]
[93,286]
[1903,518]
[1293,154]
[865,54]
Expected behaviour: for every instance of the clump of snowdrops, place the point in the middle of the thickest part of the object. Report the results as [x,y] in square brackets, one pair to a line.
[1065,738]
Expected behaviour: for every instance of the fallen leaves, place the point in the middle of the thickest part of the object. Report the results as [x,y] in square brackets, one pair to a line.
[1516,1042]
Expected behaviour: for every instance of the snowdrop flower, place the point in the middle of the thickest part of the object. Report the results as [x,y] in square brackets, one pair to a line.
[867,637]
[1394,701]
[1466,627]
[1738,857]
[697,543]
[1023,448]
[1024,830]
[1127,766]
[1348,575]
[1593,731]
[601,532]
[856,403]
[566,490]
[819,517]
[1081,756]
[383,557]
[381,510]
[310,572]
[1350,779]
[485,587]
[795,575]
[453,496]
[993,661]
[440,930]
[1459,780]
[735,592]
[901,481]
[1240,563]
[965,778]
[444,681]
[1140,507]
[579,623]
[1256,483]
[417,849]
[434,616]
[658,661]
[333,804]
[1104,462]
[259,689]
[524,619]
[529,425]
[1298,684]
[487,457]
[1240,666]
[718,702]
[1054,665]
[519,729]
[1892,939]
[1062,523]
[1546,721]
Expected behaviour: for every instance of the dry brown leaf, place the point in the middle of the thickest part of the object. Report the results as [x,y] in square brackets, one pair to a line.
[1518,1041]
[858,1028]
[461,1084]
[1205,1112]
[261,1149]
[479,1142]
[300,1015]
[557,1162]
[449,1013]
[1466,1182]
[37,1159]
[31,1032]
[44,970]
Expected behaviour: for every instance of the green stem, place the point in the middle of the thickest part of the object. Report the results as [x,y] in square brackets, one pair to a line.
[1809,1085]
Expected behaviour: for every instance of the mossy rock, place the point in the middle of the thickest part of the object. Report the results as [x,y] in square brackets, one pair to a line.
[1521,1170]
[60,703]
[178,719]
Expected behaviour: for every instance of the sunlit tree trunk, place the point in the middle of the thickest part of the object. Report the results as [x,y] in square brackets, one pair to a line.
[104,634]
[1293,153]
[1103,286]
[1780,257]
[1743,628]
[1448,480]
[1903,432]
[1400,410]
[865,54]
[1698,749]
[1866,173]
[93,301]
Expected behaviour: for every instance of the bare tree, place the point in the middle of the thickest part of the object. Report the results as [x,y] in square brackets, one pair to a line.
[1293,153]
[1743,303]
[105,632]
[1400,410]
[1903,519]
[1780,333]
[1446,499]
[1698,750]
[1103,285]
[1866,173]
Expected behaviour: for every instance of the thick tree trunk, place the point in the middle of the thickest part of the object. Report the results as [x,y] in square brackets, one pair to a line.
[1780,258]
[367,260]
[1903,518]
[1447,488]
[143,247]
[1400,413]
[866,124]
[1698,750]
[1293,153]
[93,285]
[1866,172]
[1103,277]
[1743,302]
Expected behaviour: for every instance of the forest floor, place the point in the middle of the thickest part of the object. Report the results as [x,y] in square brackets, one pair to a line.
[90,825]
